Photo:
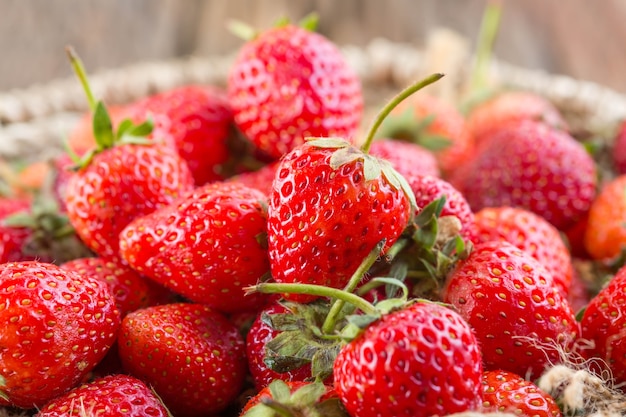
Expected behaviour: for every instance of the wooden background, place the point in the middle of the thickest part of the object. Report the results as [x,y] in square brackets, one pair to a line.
[581,38]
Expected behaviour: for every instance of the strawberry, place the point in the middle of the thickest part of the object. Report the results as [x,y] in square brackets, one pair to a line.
[294,398]
[124,177]
[197,121]
[618,151]
[332,204]
[111,396]
[531,233]
[605,233]
[507,392]
[289,83]
[120,184]
[326,212]
[261,332]
[131,290]
[191,355]
[520,318]
[434,124]
[428,189]
[407,158]
[57,326]
[603,323]
[206,246]
[530,165]
[511,106]
[422,360]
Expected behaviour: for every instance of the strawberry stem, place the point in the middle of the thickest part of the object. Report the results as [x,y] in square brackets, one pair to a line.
[312,289]
[392,104]
[355,279]
[79,70]
[486,39]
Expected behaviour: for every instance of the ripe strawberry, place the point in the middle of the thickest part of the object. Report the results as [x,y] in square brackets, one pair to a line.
[57,326]
[512,106]
[191,355]
[435,125]
[533,166]
[294,398]
[407,158]
[428,189]
[519,317]
[198,121]
[507,392]
[111,396]
[131,290]
[603,324]
[120,184]
[422,360]
[605,234]
[619,149]
[288,84]
[531,233]
[123,177]
[206,246]
[330,206]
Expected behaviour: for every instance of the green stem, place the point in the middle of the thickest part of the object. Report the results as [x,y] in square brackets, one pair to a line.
[396,248]
[277,407]
[486,39]
[392,104]
[335,309]
[312,289]
[79,70]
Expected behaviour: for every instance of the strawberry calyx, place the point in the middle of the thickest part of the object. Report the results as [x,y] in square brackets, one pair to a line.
[105,135]
[305,401]
[247,32]
[3,383]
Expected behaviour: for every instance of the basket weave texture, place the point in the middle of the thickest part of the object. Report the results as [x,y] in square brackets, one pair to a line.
[35,121]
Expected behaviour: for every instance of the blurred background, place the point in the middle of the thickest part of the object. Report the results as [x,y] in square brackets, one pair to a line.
[579,38]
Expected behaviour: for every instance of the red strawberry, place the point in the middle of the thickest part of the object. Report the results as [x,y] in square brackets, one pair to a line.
[428,189]
[207,246]
[520,318]
[434,124]
[197,121]
[131,290]
[111,396]
[191,355]
[507,392]
[422,360]
[294,398]
[123,177]
[533,166]
[407,158]
[260,333]
[531,233]
[331,204]
[57,326]
[512,106]
[603,324]
[120,184]
[288,84]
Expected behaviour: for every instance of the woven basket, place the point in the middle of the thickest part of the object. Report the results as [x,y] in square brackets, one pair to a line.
[34,121]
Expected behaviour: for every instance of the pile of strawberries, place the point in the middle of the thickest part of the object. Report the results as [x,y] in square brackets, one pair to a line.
[208,252]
